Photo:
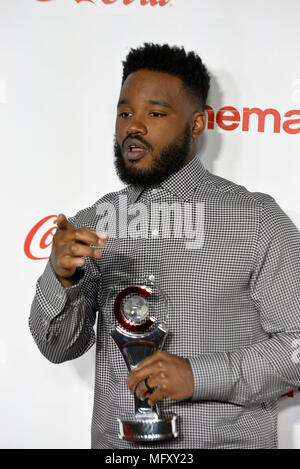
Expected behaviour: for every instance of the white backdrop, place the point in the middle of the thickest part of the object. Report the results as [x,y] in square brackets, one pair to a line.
[60,72]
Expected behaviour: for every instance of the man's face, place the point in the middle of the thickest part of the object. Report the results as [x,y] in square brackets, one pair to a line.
[153,128]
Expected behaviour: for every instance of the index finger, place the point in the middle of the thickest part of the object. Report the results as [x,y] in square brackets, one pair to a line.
[90,236]
[63,223]
[148,361]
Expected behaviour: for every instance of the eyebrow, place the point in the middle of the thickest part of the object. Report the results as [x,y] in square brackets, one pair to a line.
[154,102]
[160,103]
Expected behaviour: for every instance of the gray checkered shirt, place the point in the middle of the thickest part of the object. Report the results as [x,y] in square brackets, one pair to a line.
[234,305]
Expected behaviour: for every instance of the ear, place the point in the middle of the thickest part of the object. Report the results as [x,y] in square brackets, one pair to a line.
[199,121]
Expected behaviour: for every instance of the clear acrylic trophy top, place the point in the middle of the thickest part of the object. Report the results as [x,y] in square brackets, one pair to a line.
[137,307]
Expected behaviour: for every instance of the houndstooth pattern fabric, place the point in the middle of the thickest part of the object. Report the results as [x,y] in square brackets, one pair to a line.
[234,305]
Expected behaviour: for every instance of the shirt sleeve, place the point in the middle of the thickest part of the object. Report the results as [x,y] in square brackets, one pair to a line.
[61,319]
[263,371]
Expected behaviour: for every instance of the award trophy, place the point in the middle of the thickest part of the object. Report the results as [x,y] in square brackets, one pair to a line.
[139,334]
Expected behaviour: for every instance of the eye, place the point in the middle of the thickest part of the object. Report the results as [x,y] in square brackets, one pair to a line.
[124,114]
[157,114]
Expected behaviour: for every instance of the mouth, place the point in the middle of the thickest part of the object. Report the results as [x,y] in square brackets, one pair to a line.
[134,150]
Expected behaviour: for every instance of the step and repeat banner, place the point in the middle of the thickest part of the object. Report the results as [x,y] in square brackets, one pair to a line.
[60,75]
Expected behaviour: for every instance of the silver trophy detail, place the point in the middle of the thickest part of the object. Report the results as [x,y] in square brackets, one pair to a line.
[138,334]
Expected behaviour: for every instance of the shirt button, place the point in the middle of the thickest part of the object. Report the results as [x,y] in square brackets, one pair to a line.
[151,278]
[155,233]
[154,191]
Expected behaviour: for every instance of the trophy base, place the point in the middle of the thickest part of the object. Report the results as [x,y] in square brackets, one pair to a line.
[148,430]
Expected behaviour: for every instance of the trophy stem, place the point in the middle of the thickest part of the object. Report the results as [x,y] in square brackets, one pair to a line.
[143,410]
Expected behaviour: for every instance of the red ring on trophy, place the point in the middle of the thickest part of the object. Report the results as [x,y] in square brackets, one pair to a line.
[126,323]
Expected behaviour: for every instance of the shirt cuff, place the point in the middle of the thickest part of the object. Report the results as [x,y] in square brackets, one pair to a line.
[55,293]
[213,378]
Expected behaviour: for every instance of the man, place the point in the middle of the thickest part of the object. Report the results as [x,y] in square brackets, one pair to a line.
[234,289]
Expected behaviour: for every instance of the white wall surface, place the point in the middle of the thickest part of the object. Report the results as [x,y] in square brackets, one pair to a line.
[60,72]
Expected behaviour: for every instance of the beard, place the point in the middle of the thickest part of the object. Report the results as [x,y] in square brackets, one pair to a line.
[171,158]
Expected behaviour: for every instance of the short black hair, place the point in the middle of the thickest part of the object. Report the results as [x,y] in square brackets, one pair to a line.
[174,60]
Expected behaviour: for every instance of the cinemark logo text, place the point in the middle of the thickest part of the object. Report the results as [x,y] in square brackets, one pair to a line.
[152,3]
[229,118]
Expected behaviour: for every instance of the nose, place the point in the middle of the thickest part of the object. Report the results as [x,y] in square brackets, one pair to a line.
[136,126]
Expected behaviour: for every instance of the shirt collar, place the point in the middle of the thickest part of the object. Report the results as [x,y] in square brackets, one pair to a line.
[182,183]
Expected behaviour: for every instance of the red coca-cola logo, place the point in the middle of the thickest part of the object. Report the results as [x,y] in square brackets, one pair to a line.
[152,3]
[39,238]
